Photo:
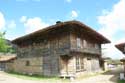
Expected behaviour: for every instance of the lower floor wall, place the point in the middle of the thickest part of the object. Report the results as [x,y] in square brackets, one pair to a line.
[78,64]
[43,65]
[26,65]
[75,64]
[2,66]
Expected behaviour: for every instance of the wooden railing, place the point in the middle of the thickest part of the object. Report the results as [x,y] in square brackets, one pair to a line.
[87,50]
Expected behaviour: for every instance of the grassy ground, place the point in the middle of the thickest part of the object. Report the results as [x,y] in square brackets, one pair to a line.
[45,78]
[36,77]
[52,79]
[121,81]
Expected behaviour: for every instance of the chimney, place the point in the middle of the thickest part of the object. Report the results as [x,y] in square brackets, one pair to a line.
[57,22]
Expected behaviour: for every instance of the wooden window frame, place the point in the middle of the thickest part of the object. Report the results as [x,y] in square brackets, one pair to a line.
[78,42]
[79,64]
[97,46]
[27,63]
[84,43]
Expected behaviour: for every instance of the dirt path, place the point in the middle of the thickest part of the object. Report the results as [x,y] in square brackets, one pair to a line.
[109,77]
[5,78]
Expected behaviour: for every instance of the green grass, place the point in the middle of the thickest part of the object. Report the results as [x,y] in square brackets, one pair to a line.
[36,77]
[121,81]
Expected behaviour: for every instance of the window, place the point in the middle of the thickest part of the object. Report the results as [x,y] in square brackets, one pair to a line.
[89,58]
[84,43]
[82,63]
[27,63]
[96,46]
[78,43]
[79,63]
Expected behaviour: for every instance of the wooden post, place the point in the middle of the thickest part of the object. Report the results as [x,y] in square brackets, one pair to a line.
[123,60]
[124,67]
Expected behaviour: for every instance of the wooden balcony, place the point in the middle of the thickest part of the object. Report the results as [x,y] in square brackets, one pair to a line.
[87,50]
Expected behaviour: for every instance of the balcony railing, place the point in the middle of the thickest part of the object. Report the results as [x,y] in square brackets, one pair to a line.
[87,50]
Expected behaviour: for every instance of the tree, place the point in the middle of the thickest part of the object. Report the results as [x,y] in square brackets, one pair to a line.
[3,45]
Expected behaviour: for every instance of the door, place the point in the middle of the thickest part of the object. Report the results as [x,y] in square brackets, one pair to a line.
[64,65]
[46,65]
[89,65]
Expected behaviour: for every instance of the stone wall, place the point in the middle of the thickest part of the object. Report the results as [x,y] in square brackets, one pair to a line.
[10,65]
[31,65]
[20,65]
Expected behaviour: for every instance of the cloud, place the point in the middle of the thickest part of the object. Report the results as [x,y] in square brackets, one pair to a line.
[11,24]
[112,23]
[6,24]
[120,41]
[73,14]
[33,24]
[110,50]
[23,19]
[69,1]
[2,21]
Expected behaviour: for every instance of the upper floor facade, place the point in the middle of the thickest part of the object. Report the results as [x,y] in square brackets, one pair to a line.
[62,38]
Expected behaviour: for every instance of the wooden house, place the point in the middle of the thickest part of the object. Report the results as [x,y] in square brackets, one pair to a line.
[64,49]
[6,61]
[121,47]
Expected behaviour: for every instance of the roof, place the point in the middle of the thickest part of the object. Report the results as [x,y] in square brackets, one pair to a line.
[122,60]
[5,58]
[10,44]
[121,47]
[86,28]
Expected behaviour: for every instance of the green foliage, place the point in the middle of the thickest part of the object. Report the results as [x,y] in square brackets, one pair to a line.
[121,81]
[42,78]
[3,45]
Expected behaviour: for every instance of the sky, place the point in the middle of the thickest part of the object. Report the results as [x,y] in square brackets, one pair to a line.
[20,17]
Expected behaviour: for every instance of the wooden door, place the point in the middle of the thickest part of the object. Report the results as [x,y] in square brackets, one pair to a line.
[89,65]
[64,65]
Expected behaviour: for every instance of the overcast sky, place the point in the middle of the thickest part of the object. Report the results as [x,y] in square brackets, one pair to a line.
[20,17]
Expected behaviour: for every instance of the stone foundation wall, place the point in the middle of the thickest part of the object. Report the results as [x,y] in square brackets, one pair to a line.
[26,65]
